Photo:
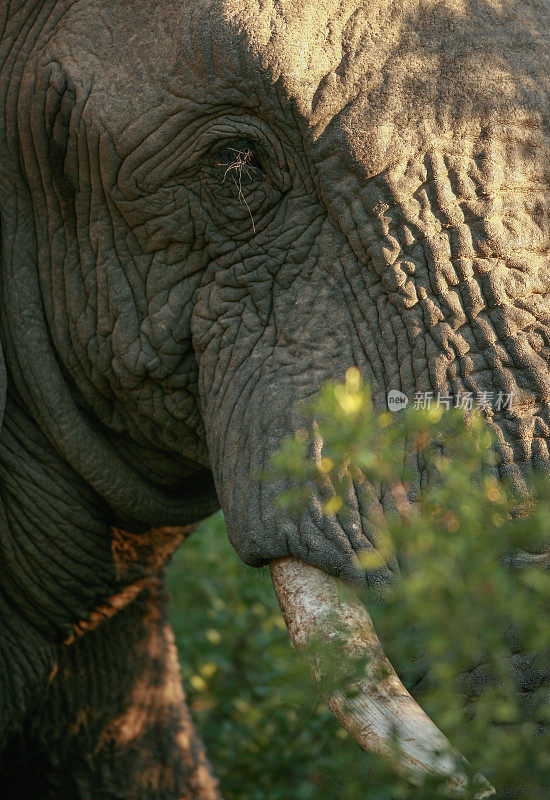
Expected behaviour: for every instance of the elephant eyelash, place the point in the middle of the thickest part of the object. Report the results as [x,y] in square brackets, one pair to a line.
[241,164]
[240,161]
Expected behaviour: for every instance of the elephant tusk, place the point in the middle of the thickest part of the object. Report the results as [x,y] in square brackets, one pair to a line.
[376,709]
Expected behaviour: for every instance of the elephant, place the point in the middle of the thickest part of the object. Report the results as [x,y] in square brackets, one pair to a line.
[208,208]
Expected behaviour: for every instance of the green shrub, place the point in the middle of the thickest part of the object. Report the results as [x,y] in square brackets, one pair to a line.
[456,604]
[268,735]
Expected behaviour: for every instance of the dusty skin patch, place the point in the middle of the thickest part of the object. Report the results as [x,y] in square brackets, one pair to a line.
[152,701]
[156,705]
[118,703]
[145,552]
[138,559]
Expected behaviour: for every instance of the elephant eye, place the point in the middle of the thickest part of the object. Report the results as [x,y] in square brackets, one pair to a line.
[239,163]
[243,182]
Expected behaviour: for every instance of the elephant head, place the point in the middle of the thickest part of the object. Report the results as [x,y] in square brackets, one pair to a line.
[210,207]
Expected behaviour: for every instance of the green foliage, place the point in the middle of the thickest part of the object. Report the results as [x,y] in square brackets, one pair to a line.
[268,735]
[457,604]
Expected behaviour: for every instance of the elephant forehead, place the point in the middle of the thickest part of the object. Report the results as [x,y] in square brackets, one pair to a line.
[299,42]
[405,61]
[373,80]
[423,50]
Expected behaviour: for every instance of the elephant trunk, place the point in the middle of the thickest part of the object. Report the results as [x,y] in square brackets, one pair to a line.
[375,707]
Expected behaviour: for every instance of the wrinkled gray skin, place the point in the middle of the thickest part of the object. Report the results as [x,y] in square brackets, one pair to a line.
[162,311]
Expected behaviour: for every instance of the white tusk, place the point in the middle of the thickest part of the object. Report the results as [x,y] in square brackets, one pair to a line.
[376,709]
